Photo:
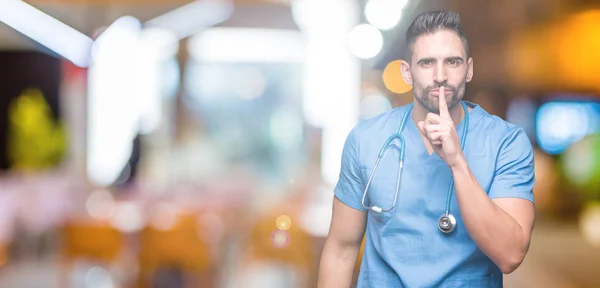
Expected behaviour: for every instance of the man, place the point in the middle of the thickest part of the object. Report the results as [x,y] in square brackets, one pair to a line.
[489,182]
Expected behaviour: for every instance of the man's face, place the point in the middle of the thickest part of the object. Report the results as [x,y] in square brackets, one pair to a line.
[438,59]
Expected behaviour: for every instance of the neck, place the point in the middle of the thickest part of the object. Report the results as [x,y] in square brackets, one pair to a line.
[419,113]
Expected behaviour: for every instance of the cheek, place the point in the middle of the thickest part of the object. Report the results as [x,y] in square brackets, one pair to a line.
[458,74]
[420,81]
[458,80]
[420,87]
[425,75]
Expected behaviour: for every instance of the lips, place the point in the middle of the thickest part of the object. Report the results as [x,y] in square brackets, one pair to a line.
[436,92]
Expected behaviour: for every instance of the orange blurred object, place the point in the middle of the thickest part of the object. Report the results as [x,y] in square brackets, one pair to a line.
[559,56]
[291,247]
[577,40]
[179,246]
[94,240]
[392,78]
[360,254]
[3,256]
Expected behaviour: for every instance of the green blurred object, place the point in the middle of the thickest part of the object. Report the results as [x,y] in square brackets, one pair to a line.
[35,140]
[581,165]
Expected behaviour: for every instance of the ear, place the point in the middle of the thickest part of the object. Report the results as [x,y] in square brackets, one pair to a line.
[406,75]
[469,69]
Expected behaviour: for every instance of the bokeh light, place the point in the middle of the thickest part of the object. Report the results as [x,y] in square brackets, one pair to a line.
[365,41]
[392,78]
[100,204]
[581,163]
[280,239]
[589,223]
[98,277]
[128,217]
[384,14]
[561,123]
[283,222]
[164,216]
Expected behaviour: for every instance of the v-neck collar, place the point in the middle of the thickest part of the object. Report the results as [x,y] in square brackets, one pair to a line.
[419,150]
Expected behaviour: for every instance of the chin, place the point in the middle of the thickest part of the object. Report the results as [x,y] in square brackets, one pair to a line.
[432,109]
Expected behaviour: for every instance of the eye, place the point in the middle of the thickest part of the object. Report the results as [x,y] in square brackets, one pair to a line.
[453,63]
[426,63]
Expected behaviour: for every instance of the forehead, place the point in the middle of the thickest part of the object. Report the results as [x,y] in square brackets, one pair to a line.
[441,44]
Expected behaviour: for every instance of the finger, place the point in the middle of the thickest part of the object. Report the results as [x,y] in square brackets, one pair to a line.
[430,128]
[444,113]
[435,138]
[433,118]
[437,119]
[442,126]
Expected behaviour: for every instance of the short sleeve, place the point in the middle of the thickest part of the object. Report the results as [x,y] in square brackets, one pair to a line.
[514,176]
[350,186]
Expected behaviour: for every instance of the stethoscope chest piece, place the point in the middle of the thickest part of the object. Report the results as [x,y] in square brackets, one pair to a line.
[446,223]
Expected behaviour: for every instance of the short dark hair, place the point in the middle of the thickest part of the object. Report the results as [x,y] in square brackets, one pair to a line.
[431,22]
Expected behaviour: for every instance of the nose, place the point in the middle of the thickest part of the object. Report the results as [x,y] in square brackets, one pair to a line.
[440,73]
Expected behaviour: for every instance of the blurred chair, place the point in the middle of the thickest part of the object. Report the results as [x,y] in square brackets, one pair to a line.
[175,253]
[287,257]
[98,242]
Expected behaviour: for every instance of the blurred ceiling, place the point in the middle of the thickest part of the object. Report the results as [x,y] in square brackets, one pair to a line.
[87,16]
[502,34]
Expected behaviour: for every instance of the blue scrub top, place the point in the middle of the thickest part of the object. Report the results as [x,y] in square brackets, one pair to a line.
[404,247]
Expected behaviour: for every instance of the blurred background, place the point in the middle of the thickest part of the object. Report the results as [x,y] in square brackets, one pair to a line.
[178,143]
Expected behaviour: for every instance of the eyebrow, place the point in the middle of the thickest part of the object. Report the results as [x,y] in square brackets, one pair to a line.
[455,58]
[431,59]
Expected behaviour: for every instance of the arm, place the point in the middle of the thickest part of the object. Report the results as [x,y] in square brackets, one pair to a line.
[342,245]
[348,222]
[501,227]
[501,223]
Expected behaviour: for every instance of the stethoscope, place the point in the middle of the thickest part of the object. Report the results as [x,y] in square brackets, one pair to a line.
[446,222]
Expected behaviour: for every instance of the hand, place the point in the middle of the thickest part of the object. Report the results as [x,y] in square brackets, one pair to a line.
[441,132]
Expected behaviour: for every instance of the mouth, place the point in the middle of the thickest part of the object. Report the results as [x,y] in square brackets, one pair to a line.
[436,92]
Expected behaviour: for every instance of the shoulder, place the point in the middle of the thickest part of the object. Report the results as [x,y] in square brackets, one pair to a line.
[383,123]
[499,132]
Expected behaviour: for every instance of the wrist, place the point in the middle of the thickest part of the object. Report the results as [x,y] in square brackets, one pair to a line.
[460,165]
